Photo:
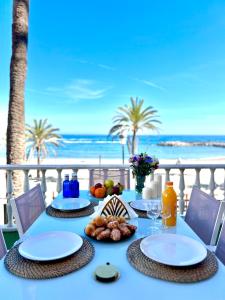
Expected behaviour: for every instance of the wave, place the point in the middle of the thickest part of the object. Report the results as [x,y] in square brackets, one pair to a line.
[89,142]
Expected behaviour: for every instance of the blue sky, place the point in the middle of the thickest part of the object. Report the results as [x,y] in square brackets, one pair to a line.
[86,58]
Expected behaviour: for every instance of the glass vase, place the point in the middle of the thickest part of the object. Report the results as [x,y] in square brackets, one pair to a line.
[140,182]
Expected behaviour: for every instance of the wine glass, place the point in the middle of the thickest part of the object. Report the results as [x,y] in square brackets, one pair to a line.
[153,210]
[165,214]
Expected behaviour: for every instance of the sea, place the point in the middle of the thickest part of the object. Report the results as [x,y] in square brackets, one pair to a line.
[101,146]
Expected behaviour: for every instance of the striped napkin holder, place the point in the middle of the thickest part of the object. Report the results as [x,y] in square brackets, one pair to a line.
[114,205]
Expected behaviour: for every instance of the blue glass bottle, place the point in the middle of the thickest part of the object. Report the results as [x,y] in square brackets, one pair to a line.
[74,186]
[66,187]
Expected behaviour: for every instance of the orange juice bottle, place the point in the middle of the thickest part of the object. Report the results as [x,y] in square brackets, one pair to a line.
[169,203]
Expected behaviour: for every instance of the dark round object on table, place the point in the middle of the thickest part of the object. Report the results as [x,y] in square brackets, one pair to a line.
[106,273]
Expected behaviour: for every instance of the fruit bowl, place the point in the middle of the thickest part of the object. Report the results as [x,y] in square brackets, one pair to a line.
[101,191]
[109,229]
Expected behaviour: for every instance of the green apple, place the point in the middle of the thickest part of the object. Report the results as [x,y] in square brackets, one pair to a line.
[108,183]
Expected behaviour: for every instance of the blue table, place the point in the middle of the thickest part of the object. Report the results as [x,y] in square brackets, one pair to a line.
[132,285]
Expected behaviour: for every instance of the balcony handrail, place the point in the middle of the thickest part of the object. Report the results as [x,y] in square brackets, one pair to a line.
[106,166]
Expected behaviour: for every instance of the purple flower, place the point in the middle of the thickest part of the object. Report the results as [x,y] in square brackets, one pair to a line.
[143,164]
[135,157]
[148,159]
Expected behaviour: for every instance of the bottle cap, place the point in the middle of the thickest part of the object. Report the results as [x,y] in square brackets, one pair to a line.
[169,183]
[74,174]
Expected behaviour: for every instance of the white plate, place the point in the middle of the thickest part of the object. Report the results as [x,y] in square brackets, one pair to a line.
[70,204]
[173,249]
[142,204]
[50,245]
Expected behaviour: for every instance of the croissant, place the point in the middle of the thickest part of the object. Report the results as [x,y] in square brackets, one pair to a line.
[105,234]
[115,234]
[90,228]
[121,220]
[97,231]
[100,221]
[113,224]
[124,230]
[131,227]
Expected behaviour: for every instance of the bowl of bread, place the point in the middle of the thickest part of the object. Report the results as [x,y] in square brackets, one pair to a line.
[109,228]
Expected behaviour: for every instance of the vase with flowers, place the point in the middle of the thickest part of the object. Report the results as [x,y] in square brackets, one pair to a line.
[142,165]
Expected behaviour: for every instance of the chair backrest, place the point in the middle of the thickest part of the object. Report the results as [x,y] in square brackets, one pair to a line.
[204,215]
[117,175]
[27,208]
[3,249]
[220,248]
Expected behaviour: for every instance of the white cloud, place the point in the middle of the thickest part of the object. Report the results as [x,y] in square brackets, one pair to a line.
[78,89]
[106,67]
[99,65]
[150,83]
[85,89]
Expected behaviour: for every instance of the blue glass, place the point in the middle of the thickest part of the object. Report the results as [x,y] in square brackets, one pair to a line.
[66,188]
[74,187]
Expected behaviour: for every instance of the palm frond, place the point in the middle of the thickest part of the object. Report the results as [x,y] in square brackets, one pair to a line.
[133,119]
[41,137]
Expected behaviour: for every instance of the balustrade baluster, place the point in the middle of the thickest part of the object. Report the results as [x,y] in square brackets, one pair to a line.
[197,178]
[9,187]
[181,194]
[59,181]
[26,185]
[75,171]
[43,183]
[212,184]
[128,178]
[105,174]
[167,175]
[224,187]
[91,177]
[122,176]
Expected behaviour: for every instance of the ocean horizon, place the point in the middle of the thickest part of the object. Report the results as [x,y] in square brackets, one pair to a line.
[96,145]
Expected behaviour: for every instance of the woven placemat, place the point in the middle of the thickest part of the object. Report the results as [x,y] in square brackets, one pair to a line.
[26,268]
[189,274]
[87,211]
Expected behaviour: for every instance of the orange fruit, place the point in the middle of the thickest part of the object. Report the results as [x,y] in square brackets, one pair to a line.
[100,192]
[92,190]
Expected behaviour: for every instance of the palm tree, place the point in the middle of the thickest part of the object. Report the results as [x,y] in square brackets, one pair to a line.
[132,119]
[15,148]
[41,138]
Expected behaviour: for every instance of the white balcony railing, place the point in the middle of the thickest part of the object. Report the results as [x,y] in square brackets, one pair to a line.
[209,177]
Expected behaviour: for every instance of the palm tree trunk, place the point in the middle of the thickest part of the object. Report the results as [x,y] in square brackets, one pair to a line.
[18,69]
[129,146]
[134,142]
[38,161]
